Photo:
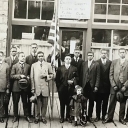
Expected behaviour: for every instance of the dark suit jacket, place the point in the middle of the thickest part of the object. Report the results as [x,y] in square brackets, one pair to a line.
[10,62]
[15,75]
[30,59]
[94,72]
[104,86]
[61,80]
[114,75]
[78,64]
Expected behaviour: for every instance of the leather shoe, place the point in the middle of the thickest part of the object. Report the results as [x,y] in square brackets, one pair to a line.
[107,120]
[28,119]
[126,119]
[44,121]
[36,121]
[97,119]
[69,120]
[122,121]
[103,118]
[1,120]
[61,120]
[90,120]
[15,119]
[75,123]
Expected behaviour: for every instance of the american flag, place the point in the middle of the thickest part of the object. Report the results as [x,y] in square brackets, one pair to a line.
[53,37]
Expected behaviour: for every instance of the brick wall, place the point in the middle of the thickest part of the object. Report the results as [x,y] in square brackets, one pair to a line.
[3,24]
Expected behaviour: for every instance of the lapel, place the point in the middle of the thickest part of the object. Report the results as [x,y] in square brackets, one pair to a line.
[10,61]
[2,65]
[125,64]
[106,66]
[92,65]
[69,71]
[85,68]
[118,66]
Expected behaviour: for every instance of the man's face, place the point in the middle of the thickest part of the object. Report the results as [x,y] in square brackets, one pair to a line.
[90,56]
[103,54]
[34,48]
[22,57]
[41,57]
[13,51]
[76,53]
[78,91]
[1,57]
[122,54]
[67,59]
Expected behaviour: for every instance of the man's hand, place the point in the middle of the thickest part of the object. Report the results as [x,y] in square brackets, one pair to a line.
[7,91]
[115,88]
[70,82]
[95,89]
[123,89]
[33,91]
[43,76]
[22,76]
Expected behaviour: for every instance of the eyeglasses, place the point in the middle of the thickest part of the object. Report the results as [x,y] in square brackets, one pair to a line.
[40,56]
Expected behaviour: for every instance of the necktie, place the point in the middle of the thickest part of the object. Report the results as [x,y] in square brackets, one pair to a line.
[41,65]
[22,68]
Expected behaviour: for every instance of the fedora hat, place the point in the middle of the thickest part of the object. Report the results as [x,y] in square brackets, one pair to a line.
[119,96]
[23,83]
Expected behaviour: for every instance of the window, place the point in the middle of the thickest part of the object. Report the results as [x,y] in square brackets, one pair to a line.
[34,9]
[111,11]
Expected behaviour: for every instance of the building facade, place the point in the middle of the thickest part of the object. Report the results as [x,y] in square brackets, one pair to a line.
[29,21]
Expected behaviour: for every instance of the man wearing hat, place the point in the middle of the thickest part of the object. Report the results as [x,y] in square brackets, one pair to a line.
[41,73]
[66,79]
[119,84]
[77,61]
[20,74]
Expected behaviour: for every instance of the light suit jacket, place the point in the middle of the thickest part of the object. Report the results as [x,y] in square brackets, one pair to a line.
[4,77]
[38,83]
[114,75]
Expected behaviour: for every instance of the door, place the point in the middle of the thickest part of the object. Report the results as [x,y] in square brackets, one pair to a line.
[71,39]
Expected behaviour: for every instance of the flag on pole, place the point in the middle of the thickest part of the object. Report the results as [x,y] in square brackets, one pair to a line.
[53,37]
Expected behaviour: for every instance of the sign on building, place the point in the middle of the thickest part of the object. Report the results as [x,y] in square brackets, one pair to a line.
[74,9]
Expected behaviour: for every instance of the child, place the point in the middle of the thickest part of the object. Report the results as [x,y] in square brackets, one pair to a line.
[78,105]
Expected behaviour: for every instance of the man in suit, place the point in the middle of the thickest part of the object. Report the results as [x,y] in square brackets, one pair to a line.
[90,78]
[104,86]
[41,73]
[11,60]
[19,71]
[119,82]
[77,61]
[66,79]
[4,84]
[30,59]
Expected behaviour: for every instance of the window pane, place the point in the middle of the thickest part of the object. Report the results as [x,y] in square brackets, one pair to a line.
[125,1]
[99,20]
[114,1]
[20,9]
[124,9]
[101,37]
[34,9]
[113,21]
[17,31]
[124,21]
[47,10]
[114,9]
[100,1]
[41,32]
[120,37]
[100,9]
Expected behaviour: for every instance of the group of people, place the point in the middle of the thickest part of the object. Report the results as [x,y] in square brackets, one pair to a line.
[77,82]
[24,77]
[98,80]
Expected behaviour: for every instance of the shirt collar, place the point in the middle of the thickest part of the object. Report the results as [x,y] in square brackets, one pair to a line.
[13,57]
[76,58]
[67,65]
[21,63]
[34,54]
[103,59]
[122,60]
[90,61]
[40,62]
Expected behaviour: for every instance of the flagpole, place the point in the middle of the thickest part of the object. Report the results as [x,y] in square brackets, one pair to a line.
[53,83]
